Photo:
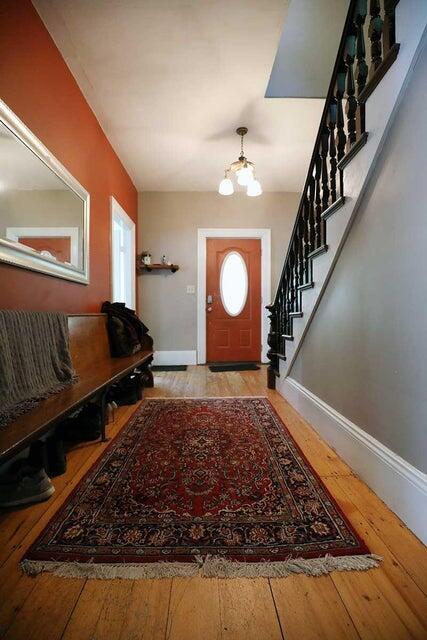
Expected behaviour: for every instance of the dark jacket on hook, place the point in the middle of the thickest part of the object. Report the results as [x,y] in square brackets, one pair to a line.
[126,332]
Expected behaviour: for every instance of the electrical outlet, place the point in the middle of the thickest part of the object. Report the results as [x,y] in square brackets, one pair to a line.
[191,288]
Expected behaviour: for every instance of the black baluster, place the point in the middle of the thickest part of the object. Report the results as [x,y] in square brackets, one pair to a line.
[294,305]
[289,301]
[298,281]
[341,137]
[294,263]
[389,26]
[351,105]
[301,250]
[375,34]
[318,200]
[324,151]
[361,66]
[279,305]
[298,241]
[283,317]
[306,242]
[312,216]
[273,367]
[332,120]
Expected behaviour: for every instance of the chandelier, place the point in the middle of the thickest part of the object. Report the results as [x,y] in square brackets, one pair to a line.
[244,170]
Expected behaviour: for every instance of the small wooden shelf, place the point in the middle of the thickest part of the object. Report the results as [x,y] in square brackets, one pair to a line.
[157,267]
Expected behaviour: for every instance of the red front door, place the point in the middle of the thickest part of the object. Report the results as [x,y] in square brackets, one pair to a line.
[233,302]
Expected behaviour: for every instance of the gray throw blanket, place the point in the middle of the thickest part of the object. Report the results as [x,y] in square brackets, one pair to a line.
[35,360]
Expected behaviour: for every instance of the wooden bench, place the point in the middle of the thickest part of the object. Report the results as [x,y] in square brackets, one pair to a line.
[97,371]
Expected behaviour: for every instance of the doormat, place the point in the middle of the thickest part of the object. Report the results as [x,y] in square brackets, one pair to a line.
[233,366]
[214,487]
[169,367]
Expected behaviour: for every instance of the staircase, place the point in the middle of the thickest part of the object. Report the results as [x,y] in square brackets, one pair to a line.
[363,95]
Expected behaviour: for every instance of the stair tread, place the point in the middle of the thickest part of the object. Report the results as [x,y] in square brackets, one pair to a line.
[318,251]
[333,208]
[306,285]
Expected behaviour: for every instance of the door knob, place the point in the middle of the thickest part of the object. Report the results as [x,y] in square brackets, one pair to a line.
[209,309]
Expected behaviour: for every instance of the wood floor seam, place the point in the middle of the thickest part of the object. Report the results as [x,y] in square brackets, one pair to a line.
[74,608]
[275,607]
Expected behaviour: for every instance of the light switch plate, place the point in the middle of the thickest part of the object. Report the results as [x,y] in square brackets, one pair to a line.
[191,288]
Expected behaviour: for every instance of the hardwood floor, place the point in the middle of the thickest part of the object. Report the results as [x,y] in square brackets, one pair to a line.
[389,602]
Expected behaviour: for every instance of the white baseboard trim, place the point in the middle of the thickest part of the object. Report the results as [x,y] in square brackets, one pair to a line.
[399,484]
[174,357]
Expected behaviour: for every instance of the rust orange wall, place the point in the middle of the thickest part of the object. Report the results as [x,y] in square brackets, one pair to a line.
[37,85]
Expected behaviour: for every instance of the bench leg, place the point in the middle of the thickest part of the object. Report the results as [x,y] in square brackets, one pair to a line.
[149,380]
[148,374]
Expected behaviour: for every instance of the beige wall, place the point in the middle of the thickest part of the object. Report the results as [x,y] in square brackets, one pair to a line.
[41,208]
[168,223]
[36,208]
[365,353]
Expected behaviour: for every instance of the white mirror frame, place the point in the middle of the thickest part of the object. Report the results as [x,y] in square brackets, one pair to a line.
[25,257]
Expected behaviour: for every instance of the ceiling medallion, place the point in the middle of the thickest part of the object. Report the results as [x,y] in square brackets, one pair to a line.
[244,170]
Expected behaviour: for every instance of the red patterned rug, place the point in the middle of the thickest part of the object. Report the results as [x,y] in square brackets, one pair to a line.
[207,486]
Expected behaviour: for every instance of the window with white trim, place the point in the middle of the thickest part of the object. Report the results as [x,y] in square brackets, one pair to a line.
[122,256]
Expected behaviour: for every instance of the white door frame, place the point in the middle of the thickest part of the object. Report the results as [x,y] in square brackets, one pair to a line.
[117,210]
[202,235]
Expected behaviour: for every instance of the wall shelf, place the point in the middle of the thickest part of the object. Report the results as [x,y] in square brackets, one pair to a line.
[142,268]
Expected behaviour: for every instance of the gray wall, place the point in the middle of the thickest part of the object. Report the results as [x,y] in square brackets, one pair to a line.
[168,223]
[365,353]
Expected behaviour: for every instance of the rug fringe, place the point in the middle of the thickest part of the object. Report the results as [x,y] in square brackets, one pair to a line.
[209,567]
[249,397]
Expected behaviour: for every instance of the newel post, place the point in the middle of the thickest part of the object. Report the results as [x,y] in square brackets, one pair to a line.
[272,341]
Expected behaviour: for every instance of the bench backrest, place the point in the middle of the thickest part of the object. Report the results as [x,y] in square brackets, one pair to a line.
[88,341]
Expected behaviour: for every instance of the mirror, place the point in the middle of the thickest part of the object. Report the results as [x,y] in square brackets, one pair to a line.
[44,211]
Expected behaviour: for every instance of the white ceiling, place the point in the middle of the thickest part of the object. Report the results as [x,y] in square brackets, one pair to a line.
[170,80]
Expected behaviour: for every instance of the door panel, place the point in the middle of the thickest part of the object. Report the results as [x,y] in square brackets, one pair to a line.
[233,318]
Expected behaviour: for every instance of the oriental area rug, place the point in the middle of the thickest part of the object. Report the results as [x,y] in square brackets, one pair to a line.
[215,487]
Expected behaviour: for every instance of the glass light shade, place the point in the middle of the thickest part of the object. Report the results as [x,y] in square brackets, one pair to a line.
[244,176]
[226,187]
[254,188]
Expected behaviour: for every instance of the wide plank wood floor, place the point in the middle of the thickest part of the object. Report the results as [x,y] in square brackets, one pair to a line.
[386,603]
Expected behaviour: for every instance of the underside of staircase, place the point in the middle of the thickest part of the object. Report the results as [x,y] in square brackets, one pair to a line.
[378,50]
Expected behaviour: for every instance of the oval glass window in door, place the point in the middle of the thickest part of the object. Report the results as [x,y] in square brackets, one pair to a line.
[233,283]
